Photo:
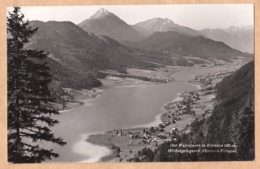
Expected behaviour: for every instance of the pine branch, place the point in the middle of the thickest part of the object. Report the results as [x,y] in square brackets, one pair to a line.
[28,95]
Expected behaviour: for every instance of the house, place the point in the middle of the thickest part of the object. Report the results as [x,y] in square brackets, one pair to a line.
[174,129]
[209,87]
[145,136]
[174,139]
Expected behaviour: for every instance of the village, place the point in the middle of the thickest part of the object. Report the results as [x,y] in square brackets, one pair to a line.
[134,144]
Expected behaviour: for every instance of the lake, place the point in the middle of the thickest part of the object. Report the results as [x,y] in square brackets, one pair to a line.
[116,108]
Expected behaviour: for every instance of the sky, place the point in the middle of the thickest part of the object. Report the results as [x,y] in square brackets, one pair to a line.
[198,16]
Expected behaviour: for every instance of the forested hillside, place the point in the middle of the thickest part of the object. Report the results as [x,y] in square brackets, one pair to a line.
[231,122]
[76,56]
[182,45]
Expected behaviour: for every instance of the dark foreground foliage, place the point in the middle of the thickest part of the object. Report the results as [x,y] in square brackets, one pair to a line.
[29,109]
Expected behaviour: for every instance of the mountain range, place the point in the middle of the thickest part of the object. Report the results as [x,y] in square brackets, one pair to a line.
[164,25]
[77,53]
[78,56]
[240,38]
[177,44]
[106,23]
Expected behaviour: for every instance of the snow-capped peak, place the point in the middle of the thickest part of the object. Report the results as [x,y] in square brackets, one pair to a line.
[163,21]
[157,24]
[239,28]
[100,14]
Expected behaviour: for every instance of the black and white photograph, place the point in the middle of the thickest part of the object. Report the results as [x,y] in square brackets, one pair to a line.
[130,83]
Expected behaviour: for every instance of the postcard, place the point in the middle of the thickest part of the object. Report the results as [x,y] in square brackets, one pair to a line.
[130,83]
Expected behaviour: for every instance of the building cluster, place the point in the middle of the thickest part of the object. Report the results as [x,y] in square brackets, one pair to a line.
[194,105]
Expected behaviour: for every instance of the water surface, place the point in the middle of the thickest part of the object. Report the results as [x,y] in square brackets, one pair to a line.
[116,108]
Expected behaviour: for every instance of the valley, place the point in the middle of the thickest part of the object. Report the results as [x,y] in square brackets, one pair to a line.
[175,116]
[129,92]
[130,147]
[79,54]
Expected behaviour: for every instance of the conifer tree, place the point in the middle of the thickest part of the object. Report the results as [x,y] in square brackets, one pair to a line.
[29,109]
[246,133]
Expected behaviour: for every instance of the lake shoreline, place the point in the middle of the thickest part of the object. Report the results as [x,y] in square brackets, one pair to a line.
[98,139]
[81,96]
[95,139]
[105,139]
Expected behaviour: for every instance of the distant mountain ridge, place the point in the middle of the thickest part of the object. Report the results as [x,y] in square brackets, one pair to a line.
[106,23]
[240,37]
[164,25]
[177,44]
[157,24]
